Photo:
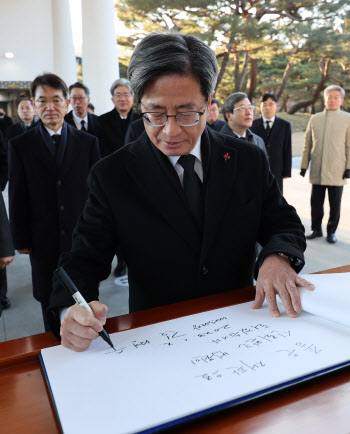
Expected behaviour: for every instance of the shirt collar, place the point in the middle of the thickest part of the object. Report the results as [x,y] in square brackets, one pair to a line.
[196,151]
[78,119]
[59,131]
[272,120]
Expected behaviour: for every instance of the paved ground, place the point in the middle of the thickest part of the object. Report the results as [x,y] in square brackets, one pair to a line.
[24,317]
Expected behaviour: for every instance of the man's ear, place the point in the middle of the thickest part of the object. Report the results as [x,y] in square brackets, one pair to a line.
[228,116]
[209,100]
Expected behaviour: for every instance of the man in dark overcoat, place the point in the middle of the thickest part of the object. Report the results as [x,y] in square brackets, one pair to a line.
[184,204]
[6,253]
[277,135]
[48,169]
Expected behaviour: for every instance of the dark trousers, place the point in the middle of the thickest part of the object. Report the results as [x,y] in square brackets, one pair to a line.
[317,211]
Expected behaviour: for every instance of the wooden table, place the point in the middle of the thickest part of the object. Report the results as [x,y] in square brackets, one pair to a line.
[321,405]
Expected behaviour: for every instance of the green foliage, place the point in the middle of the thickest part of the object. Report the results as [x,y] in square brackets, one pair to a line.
[281,35]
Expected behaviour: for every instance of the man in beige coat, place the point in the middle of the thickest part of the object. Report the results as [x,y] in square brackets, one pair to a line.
[327,145]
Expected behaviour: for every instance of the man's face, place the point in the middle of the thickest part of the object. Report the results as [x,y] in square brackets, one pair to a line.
[51,106]
[213,113]
[26,112]
[172,94]
[242,117]
[2,112]
[268,108]
[79,101]
[333,100]
[122,100]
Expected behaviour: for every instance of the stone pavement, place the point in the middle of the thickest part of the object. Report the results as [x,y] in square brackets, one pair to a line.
[24,317]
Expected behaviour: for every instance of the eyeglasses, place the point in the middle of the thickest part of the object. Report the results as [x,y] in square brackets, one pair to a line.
[248,108]
[185,119]
[122,95]
[57,102]
[78,98]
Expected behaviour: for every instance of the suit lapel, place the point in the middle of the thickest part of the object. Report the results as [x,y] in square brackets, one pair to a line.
[41,151]
[70,152]
[159,183]
[219,181]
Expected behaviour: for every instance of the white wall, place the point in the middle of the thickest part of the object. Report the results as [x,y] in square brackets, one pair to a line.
[25,29]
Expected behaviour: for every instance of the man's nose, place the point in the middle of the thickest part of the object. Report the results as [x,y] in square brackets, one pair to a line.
[172,127]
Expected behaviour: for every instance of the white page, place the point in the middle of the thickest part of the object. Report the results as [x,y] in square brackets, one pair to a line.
[331,297]
[173,369]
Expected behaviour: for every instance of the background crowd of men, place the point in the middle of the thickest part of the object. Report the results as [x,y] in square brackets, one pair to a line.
[47,156]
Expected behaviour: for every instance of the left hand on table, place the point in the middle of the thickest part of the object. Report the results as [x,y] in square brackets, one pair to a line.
[276,276]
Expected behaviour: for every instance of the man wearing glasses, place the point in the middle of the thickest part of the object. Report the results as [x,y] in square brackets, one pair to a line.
[239,114]
[184,204]
[48,168]
[115,123]
[79,117]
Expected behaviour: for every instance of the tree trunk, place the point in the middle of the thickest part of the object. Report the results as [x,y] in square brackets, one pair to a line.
[284,104]
[251,85]
[225,59]
[321,85]
[244,71]
[236,71]
[285,77]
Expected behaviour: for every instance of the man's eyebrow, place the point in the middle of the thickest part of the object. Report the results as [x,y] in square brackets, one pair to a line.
[188,105]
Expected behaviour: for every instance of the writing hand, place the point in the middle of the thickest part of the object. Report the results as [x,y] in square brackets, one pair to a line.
[302,172]
[276,276]
[79,328]
[5,260]
[26,251]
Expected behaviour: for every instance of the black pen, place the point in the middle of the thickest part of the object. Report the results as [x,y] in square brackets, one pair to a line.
[67,282]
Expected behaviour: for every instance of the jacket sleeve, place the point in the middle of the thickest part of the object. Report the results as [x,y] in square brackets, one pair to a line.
[280,230]
[287,152]
[93,248]
[307,147]
[19,203]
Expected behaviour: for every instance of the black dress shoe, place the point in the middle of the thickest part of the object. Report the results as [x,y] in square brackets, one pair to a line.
[314,234]
[120,269]
[331,238]
[5,303]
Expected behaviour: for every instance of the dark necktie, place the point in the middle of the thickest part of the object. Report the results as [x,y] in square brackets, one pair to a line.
[56,140]
[83,126]
[242,138]
[268,129]
[193,188]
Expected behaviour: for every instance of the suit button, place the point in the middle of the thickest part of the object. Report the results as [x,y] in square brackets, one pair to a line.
[61,207]
[204,270]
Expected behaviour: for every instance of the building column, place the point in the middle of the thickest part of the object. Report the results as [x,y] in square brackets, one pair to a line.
[63,49]
[100,55]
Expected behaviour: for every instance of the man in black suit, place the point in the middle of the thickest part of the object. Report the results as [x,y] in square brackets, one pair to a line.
[238,113]
[6,253]
[5,121]
[213,120]
[115,123]
[48,168]
[277,135]
[184,204]
[79,117]
[26,114]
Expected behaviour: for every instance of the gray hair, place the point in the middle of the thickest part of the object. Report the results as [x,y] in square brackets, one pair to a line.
[230,102]
[334,87]
[166,53]
[121,82]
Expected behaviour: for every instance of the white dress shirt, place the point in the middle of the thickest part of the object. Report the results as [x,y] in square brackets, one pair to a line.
[198,166]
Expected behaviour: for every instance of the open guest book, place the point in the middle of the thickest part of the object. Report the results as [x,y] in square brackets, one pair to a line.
[169,372]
